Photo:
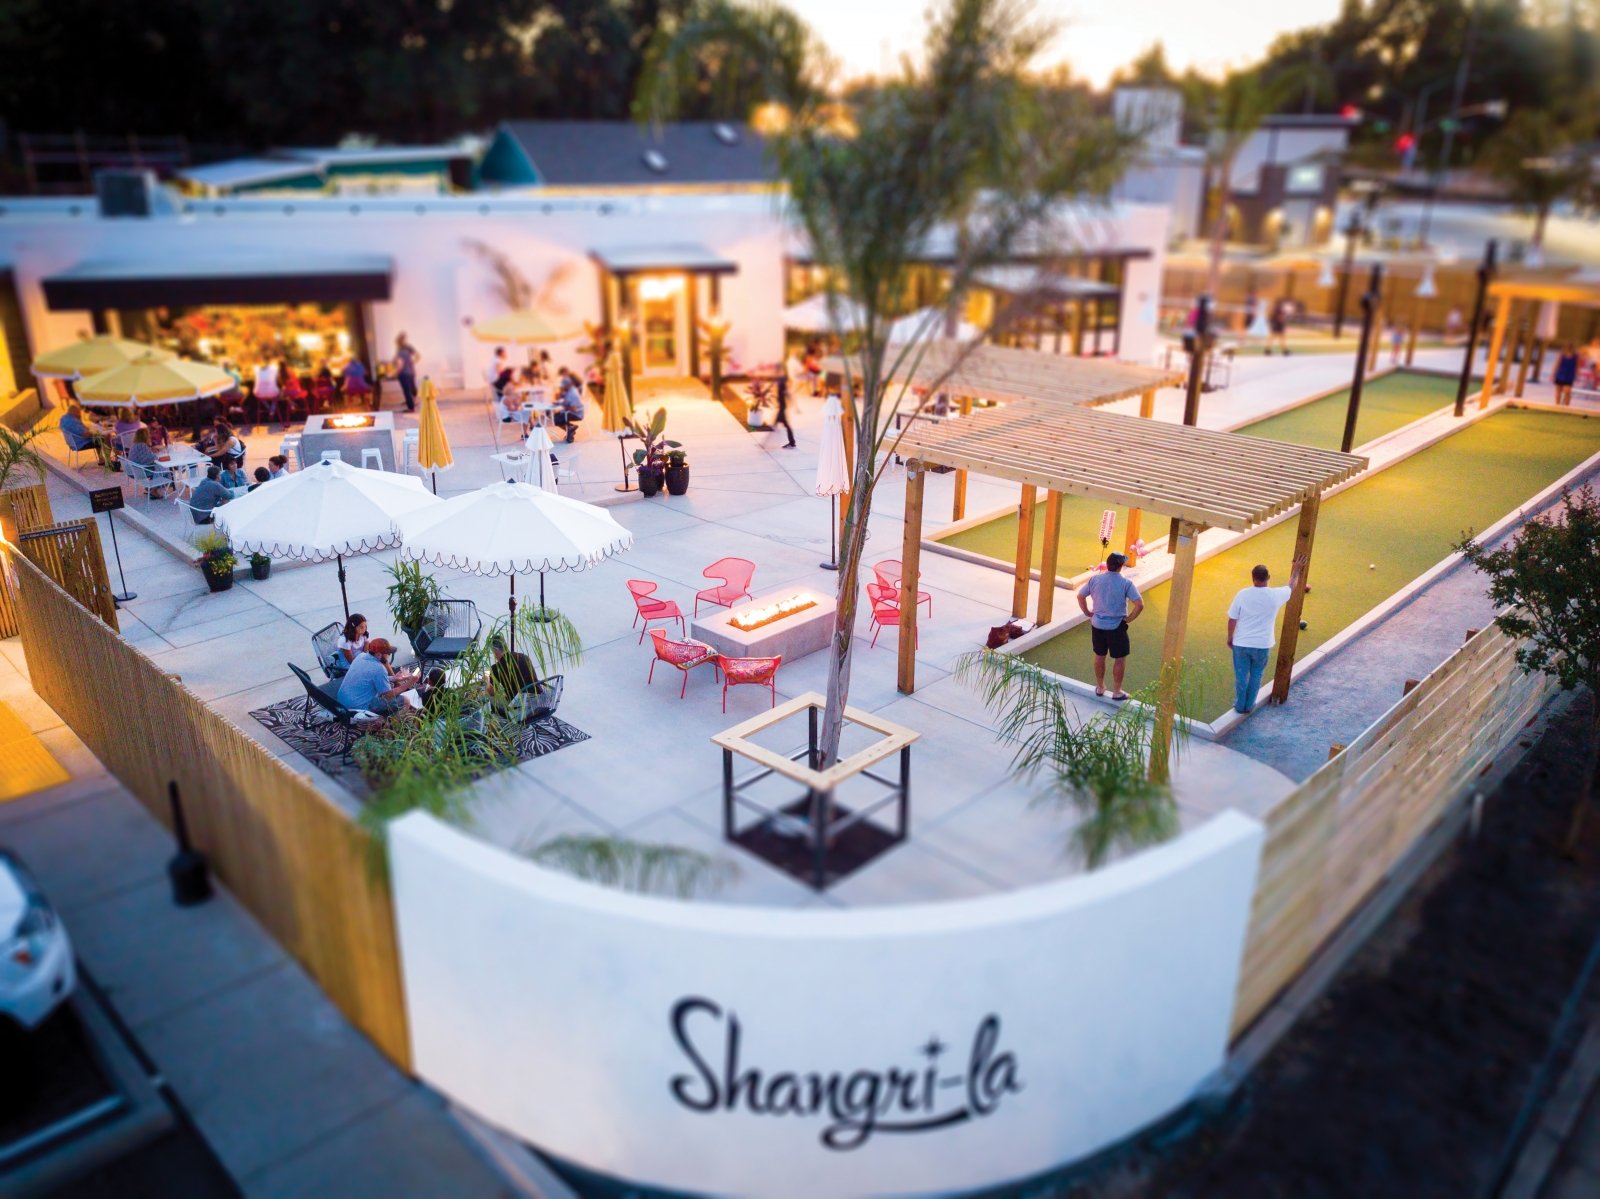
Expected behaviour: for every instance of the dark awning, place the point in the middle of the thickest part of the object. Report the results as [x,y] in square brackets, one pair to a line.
[282,279]
[645,260]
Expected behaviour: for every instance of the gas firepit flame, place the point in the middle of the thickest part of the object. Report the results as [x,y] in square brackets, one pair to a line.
[350,421]
[747,620]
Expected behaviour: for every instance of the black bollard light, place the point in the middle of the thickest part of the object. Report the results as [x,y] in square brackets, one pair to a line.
[191,880]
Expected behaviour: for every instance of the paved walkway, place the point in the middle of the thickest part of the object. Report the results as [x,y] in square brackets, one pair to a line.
[293,1100]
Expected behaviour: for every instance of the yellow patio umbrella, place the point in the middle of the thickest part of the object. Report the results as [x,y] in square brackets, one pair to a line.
[154,378]
[526,327]
[92,356]
[617,409]
[433,449]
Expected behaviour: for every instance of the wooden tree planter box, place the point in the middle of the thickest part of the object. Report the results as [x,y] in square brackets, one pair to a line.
[812,837]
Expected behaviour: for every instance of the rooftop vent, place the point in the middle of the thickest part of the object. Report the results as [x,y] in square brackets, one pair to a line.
[656,161]
[725,133]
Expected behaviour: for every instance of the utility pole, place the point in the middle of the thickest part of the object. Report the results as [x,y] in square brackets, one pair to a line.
[1485,273]
[1459,94]
[1351,231]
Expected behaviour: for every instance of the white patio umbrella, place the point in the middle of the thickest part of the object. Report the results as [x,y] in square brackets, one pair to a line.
[929,323]
[509,528]
[812,315]
[833,473]
[325,511]
[541,471]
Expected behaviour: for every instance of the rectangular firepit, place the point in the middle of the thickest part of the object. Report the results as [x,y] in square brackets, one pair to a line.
[359,431]
[793,634]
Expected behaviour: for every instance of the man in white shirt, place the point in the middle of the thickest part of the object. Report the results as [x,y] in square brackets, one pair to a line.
[1251,618]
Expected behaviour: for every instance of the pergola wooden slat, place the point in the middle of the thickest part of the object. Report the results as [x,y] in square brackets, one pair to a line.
[1201,477]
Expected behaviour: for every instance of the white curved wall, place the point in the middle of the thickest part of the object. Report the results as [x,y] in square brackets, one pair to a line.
[751,1051]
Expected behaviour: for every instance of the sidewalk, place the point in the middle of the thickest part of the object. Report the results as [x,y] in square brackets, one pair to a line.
[291,1098]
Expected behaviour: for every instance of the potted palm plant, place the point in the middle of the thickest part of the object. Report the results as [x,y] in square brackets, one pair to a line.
[651,461]
[411,594]
[20,462]
[217,559]
[260,566]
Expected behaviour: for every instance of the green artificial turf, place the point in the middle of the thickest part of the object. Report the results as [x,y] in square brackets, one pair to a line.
[1386,405]
[1371,541]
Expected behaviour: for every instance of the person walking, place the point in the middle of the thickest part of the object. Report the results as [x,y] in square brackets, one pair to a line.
[405,370]
[1566,373]
[1278,326]
[1251,618]
[782,415]
[1117,604]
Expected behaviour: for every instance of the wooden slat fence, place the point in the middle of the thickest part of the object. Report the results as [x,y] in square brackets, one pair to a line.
[21,508]
[70,554]
[1332,841]
[285,850]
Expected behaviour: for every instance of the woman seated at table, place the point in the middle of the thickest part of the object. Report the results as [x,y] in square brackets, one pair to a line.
[511,672]
[142,453]
[353,637]
[125,426]
[369,685]
[232,475]
[225,445]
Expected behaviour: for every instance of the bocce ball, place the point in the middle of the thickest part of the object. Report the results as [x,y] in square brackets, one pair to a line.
[1303,626]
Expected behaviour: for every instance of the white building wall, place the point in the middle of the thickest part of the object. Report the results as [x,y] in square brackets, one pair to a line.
[1283,145]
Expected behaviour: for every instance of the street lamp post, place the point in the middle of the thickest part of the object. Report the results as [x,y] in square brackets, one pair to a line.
[1352,230]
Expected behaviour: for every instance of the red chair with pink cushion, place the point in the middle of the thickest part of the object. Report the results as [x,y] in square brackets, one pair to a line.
[738,672]
[683,656]
[885,611]
[889,575]
[735,574]
[652,609]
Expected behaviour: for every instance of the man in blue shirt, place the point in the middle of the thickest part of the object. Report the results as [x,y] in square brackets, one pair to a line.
[208,494]
[80,435]
[571,410]
[1117,604]
[368,683]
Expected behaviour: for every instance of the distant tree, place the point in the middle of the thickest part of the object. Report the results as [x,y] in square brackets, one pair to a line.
[718,60]
[965,145]
[1546,580]
[1540,163]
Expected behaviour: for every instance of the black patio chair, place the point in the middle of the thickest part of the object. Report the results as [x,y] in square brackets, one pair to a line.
[451,629]
[326,697]
[325,643]
[537,700]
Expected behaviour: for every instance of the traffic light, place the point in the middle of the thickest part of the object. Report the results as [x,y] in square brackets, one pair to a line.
[1350,112]
[1405,143]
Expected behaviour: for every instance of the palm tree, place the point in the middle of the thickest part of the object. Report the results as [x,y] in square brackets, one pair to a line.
[1242,103]
[1539,161]
[964,146]
[1096,765]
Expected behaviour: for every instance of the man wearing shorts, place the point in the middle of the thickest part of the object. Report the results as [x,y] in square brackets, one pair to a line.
[1117,604]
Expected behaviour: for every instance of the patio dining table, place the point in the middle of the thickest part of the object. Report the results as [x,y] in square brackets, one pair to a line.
[186,463]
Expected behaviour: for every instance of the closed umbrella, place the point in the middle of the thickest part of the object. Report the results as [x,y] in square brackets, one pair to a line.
[541,470]
[510,528]
[433,449]
[92,356]
[833,473]
[618,407]
[154,378]
[325,511]
[526,327]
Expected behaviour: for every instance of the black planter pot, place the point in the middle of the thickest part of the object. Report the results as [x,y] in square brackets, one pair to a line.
[217,578]
[677,479]
[260,570]
[649,480]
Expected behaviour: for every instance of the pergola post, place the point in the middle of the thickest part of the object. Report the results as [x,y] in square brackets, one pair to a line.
[1178,593]
[1416,329]
[958,501]
[1501,316]
[1288,642]
[910,564]
[1046,609]
[1147,410]
[1510,354]
[1019,590]
[1525,345]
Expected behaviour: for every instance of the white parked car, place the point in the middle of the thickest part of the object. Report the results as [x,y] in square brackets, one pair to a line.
[36,969]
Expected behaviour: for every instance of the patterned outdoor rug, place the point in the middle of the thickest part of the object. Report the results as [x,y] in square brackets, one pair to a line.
[321,743]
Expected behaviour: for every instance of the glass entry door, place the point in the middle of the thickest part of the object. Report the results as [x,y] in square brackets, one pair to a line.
[661,324]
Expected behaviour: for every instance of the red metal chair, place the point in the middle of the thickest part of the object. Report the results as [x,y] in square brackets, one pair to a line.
[762,672]
[885,611]
[735,574]
[683,656]
[889,575]
[653,609]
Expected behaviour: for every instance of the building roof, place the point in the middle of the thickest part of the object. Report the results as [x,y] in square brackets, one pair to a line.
[310,277]
[1225,480]
[685,256]
[611,153]
[247,172]
[1040,281]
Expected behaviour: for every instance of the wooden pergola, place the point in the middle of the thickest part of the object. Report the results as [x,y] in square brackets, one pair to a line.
[1008,376]
[1530,293]
[1199,477]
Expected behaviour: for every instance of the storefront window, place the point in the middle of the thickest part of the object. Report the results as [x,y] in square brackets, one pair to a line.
[304,335]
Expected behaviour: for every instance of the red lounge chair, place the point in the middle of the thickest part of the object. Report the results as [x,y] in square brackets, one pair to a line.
[763,672]
[735,574]
[683,656]
[889,574]
[653,609]
[885,611]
